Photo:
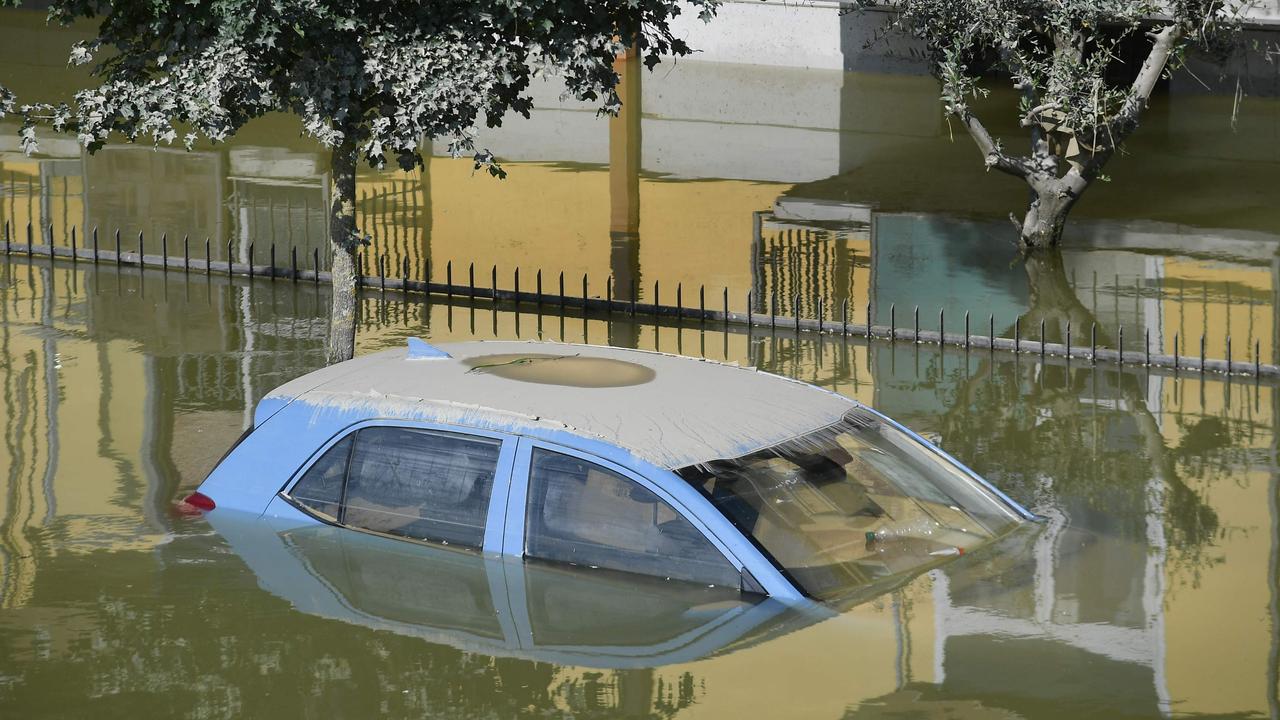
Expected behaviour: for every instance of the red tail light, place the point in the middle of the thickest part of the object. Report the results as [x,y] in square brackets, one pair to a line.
[200,501]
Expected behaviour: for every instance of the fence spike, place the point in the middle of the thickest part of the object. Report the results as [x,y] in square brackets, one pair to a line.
[315,261]
[1068,341]
[679,302]
[516,283]
[1120,345]
[1017,335]
[1201,352]
[966,329]
[1093,343]
[1175,352]
[1257,358]
[186,254]
[250,260]
[1147,346]
[30,239]
[164,251]
[916,316]
[585,294]
[471,280]
[293,262]
[73,244]
[117,247]
[942,333]
[725,292]
[893,322]
[1042,343]
[95,244]
[844,318]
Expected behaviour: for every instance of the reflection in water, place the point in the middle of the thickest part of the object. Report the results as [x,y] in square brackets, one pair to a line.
[1145,592]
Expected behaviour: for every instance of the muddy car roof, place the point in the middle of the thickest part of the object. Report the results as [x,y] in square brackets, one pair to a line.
[672,411]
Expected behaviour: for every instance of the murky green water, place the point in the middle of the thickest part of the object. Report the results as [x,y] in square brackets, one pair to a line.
[1150,590]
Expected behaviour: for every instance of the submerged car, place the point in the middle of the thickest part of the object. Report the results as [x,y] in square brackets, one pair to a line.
[620,462]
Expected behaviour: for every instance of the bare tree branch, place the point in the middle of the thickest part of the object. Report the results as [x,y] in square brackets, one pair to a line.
[1126,120]
[992,155]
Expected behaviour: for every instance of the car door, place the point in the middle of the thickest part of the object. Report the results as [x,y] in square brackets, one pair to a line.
[416,481]
[615,570]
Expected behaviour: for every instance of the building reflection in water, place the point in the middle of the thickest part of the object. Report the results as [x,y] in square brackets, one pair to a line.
[1145,589]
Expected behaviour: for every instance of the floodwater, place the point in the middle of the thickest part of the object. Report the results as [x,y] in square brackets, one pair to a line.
[1150,590]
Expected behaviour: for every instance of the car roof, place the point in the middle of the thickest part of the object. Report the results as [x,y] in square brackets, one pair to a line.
[672,411]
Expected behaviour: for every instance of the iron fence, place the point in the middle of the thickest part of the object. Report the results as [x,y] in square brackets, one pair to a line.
[690,305]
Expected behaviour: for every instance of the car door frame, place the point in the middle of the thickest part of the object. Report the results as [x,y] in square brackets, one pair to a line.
[694,508]
[284,507]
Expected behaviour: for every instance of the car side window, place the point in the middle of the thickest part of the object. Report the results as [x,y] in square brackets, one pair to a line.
[581,513]
[419,484]
[320,489]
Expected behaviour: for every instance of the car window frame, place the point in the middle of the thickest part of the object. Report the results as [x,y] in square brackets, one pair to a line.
[518,497]
[498,497]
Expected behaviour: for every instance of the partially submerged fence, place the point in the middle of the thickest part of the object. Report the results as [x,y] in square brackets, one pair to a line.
[700,306]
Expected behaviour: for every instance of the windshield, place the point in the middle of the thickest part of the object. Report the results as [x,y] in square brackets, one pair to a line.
[852,503]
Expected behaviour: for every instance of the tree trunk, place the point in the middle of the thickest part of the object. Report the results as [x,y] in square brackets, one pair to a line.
[344,241]
[1047,216]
